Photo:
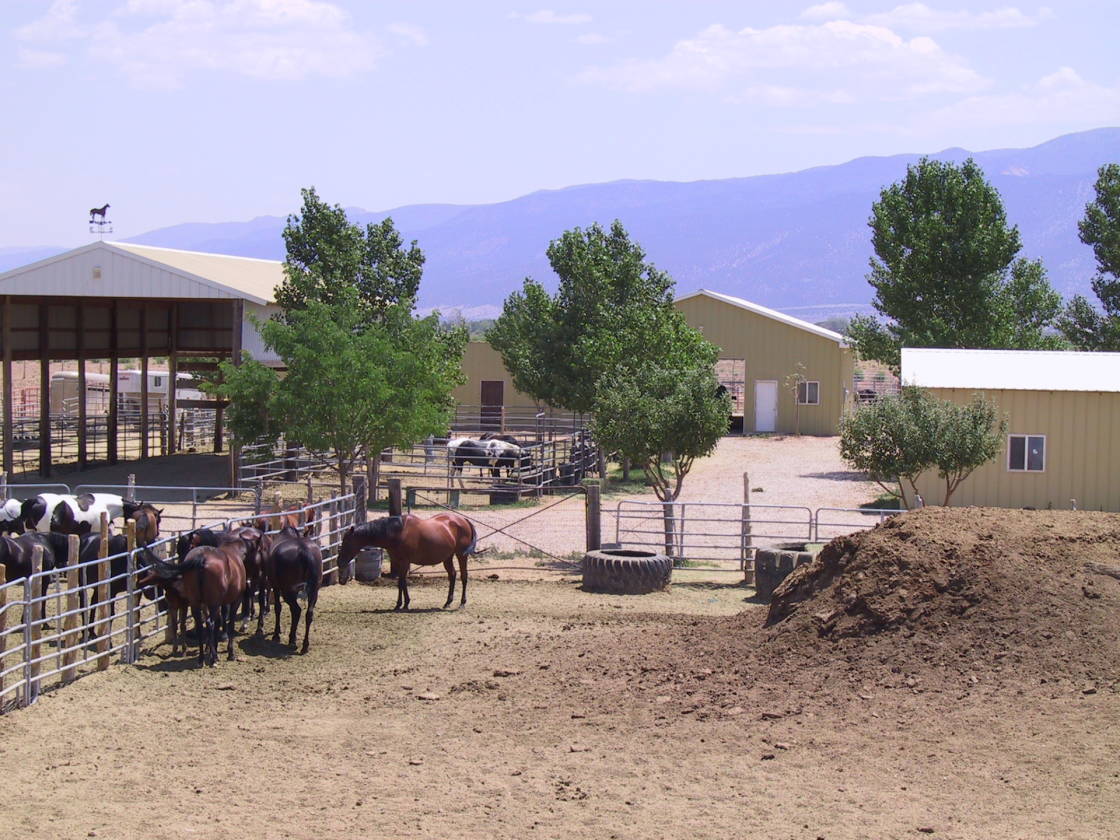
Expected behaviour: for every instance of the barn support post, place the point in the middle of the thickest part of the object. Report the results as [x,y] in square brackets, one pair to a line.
[71,635]
[44,392]
[394,497]
[144,381]
[172,382]
[9,427]
[593,507]
[237,316]
[114,381]
[83,397]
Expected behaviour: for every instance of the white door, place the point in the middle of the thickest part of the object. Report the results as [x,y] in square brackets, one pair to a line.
[765,405]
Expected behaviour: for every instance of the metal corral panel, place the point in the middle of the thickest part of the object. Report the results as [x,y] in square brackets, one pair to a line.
[772,348]
[1082,452]
[482,363]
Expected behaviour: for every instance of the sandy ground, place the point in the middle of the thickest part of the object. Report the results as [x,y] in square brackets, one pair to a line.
[512,718]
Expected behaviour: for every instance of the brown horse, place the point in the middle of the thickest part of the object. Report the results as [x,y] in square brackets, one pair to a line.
[210,580]
[147,518]
[410,539]
[293,566]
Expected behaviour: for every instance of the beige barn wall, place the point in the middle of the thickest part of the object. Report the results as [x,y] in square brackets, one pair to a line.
[772,350]
[482,362]
[1082,431]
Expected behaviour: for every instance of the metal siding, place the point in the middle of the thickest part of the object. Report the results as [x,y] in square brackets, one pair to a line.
[250,338]
[772,350]
[481,362]
[1082,453]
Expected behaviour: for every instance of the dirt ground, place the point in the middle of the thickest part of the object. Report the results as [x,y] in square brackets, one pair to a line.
[984,705]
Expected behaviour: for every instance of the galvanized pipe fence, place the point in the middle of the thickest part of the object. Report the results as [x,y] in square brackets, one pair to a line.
[726,532]
[67,628]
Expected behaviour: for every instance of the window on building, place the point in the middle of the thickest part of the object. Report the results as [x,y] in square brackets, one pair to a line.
[809,393]
[1026,453]
[157,381]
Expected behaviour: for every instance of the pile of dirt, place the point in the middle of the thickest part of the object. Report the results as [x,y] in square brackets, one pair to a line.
[942,600]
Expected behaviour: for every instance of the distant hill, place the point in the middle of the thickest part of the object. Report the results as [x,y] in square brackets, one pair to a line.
[791,240]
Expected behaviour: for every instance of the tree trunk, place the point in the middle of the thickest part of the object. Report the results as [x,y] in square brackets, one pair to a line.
[625,469]
[343,475]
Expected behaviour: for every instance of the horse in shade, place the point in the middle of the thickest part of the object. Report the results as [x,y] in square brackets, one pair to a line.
[412,540]
[293,567]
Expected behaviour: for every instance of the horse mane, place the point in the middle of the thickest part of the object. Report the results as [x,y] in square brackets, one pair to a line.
[173,571]
[384,527]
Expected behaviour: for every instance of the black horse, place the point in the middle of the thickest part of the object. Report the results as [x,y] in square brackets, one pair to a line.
[293,566]
[118,570]
[16,555]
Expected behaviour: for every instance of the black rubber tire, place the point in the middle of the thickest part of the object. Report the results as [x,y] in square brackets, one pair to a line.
[773,565]
[626,572]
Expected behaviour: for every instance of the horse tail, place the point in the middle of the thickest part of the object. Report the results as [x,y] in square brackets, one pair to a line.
[473,549]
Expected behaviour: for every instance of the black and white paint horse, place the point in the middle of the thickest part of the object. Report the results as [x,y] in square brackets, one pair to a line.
[79,515]
[494,454]
[11,522]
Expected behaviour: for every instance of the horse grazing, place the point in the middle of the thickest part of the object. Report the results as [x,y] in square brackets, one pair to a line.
[10,520]
[494,453]
[210,580]
[293,566]
[410,539]
[98,211]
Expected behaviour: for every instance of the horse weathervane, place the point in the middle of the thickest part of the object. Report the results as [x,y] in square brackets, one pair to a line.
[99,222]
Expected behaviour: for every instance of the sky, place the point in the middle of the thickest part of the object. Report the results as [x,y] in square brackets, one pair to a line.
[220,110]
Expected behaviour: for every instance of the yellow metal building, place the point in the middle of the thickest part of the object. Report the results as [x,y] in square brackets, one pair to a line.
[761,349]
[1062,446]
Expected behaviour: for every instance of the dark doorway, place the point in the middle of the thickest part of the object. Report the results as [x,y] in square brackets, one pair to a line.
[493,402]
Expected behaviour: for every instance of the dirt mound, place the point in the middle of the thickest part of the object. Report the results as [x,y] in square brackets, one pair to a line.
[954,601]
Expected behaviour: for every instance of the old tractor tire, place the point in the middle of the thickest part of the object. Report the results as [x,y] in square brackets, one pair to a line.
[625,571]
[773,565]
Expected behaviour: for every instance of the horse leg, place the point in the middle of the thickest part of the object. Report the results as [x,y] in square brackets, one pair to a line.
[449,564]
[276,604]
[312,597]
[402,584]
[231,655]
[463,572]
[294,608]
[202,627]
[262,599]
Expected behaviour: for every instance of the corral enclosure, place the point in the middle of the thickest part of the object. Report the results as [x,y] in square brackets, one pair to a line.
[544,710]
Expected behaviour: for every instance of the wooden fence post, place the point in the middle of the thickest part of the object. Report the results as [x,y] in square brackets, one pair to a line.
[360,500]
[32,628]
[3,626]
[71,636]
[746,549]
[310,491]
[131,487]
[394,497]
[593,517]
[102,625]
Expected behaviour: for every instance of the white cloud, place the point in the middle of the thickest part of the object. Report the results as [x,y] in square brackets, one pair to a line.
[547,16]
[1062,99]
[592,39]
[39,59]
[827,11]
[410,34]
[918,17]
[157,42]
[857,61]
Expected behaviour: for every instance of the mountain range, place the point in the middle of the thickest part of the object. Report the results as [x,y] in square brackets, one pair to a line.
[797,241]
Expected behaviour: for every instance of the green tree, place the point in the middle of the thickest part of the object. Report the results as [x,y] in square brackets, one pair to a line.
[609,309]
[250,388]
[1082,324]
[352,388]
[943,269]
[662,419]
[331,260]
[897,438]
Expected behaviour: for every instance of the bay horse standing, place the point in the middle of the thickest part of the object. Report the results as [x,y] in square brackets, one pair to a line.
[210,580]
[293,567]
[409,539]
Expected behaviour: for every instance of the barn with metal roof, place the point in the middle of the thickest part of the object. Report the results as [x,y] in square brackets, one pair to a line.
[1062,447]
[115,301]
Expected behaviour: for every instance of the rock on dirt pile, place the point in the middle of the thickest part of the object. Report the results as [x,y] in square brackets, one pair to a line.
[965,584]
